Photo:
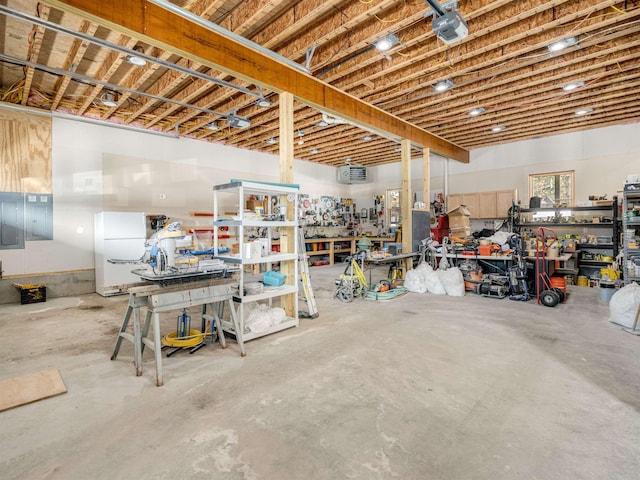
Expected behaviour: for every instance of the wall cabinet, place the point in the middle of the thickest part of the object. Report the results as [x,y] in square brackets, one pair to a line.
[491,204]
[232,221]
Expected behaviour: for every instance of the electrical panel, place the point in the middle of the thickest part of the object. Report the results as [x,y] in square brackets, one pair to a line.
[38,216]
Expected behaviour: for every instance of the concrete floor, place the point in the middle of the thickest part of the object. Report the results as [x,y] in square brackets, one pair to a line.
[421,387]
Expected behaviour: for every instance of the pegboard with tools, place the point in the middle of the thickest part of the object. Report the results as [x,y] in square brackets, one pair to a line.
[325,211]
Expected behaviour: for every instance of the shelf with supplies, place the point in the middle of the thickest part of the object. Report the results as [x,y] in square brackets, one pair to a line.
[589,233]
[246,216]
[631,233]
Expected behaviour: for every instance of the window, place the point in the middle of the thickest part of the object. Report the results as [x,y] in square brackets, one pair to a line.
[556,189]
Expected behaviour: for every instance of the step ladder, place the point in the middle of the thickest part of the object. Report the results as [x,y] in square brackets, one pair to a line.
[305,279]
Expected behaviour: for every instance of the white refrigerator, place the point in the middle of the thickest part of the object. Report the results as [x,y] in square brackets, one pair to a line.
[120,236]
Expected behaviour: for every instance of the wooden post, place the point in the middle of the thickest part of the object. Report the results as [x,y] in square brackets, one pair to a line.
[426,177]
[288,234]
[406,199]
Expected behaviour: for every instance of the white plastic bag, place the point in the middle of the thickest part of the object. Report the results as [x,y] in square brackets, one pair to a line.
[277,315]
[258,320]
[414,282]
[624,305]
[434,285]
[452,281]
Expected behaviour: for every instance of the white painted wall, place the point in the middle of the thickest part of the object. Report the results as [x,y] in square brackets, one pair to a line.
[99,168]
[601,158]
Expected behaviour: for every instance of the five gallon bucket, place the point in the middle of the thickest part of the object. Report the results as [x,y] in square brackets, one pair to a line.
[558,282]
[606,290]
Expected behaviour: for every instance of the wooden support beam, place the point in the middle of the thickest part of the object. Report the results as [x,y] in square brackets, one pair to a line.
[288,234]
[148,22]
[406,198]
[426,177]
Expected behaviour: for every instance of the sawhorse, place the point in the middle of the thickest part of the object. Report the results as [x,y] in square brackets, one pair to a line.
[158,299]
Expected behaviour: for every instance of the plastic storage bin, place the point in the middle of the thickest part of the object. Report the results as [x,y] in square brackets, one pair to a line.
[274,279]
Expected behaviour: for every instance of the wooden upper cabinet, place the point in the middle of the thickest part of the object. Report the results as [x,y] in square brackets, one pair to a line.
[504,200]
[454,201]
[470,200]
[493,204]
[486,205]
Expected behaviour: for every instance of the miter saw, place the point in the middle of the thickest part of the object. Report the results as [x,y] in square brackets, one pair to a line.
[161,264]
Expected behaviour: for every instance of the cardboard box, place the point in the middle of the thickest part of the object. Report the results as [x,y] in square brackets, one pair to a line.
[570,245]
[459,217]
[254,204]
[460,232]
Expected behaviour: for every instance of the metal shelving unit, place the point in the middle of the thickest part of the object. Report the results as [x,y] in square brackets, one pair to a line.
[631,232]
[233,223]
[580,222]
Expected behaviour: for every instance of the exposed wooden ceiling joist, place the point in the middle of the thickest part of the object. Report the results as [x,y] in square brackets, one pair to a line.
[148,22]
[503,65]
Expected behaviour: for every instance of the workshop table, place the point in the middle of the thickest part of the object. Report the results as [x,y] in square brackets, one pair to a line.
[392,260]
[210,294]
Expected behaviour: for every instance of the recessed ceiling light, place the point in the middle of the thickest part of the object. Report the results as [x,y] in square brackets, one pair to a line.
[573,86]
[110,99]
[347,160]
[562,44]
[263,102]
[271,141]
[498,128]
[366,138]
[476,111]
[387,43]
[443,85]
[584,111]
[314,150]
[212,126]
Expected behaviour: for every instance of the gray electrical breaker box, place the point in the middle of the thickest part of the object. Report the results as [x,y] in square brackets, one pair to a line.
[38,216]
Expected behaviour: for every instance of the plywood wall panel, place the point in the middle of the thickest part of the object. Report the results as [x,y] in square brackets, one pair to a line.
[25,153]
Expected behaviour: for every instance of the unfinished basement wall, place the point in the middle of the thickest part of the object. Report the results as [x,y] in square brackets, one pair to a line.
[96,168]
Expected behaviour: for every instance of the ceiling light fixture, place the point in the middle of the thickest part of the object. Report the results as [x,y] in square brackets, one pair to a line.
[450,26]
[476,111]
[444,85]
[212,126]
[584,111]
[367,138]
[263,102]
[387,43]
[314,150]
[110,99]
[498,128]
[135,60]
[562,44]
[238,122]
[573,86]
[300,135]
[271,141]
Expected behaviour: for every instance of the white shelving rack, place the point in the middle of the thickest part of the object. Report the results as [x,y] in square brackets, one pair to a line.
[631,232]
[232,223]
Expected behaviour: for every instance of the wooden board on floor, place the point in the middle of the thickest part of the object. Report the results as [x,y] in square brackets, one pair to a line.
[30,388]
